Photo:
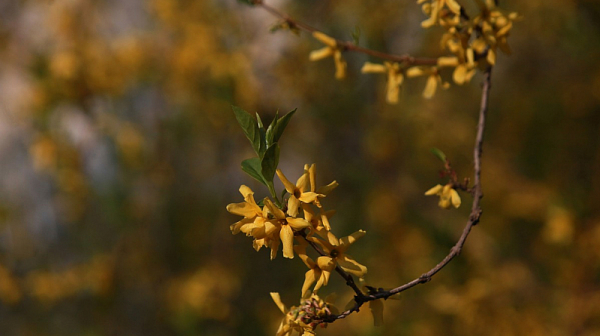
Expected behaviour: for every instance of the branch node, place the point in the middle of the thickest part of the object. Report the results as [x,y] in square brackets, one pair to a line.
[424,278]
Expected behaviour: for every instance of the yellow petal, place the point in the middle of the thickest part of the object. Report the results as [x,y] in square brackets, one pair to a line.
[274,245]
[289,186]
[369,67]
[455,198]
[236,227]
[320,54]
[376,307]
[351,266]
[302,182]
[453,6]
[430,87]
[297,223]
[287,239]
[349,240]
[309,197]
[326,263]
[293,204]
[328,40]
[434,191]
[274,210]
[415,72]
[491,56]
[312,176]
[277,298]
[447,61]
[309,279]
[340,65]
[459,74]
[243,209]
[328,188]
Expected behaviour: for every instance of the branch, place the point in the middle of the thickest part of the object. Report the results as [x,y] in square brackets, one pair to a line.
[345,45]
[473,217]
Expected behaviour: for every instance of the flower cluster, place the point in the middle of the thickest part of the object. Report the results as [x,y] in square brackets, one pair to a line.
[472,44]
[302,216]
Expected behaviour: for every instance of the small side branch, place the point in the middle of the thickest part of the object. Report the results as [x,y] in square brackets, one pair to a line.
[345,45]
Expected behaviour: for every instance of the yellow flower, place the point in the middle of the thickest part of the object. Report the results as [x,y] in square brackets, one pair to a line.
[248,209]
[319,223]
[395,77]
[285,227]
[433,79]
[314,274]
[434,8]
[322,191]
[298,192]
[448,196]
[331,49]
[336,254]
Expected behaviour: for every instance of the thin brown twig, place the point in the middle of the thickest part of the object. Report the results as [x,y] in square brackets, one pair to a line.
[346,45]
[473,217]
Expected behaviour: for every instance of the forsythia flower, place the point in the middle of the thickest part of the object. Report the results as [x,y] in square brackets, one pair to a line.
[285,227]
[304,318]
[448,196]
[433,79]
[331,49]
[336,254]
[395,77]
[298,192]
[322,191]
[313,274]
[434,8]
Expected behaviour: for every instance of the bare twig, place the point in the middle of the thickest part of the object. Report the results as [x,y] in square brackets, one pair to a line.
[345,45]
[473,217]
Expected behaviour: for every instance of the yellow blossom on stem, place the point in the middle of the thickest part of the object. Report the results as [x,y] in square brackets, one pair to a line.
[448,196]
[298,192]
[335,250]
[285,227]
[319,223]
[395,77]
[331,49]
[434,8]
[312,177]
[433,79]
[314,274]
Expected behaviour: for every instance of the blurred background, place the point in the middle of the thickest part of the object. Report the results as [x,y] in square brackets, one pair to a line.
[119,153]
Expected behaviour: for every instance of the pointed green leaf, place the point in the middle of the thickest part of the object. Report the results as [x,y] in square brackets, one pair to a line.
[270,129]
[253,168]
[439,154]
[269,162]
[263,136]
[280,126]
[249,126]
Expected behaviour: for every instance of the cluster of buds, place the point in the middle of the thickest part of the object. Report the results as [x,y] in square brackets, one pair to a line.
[306,317]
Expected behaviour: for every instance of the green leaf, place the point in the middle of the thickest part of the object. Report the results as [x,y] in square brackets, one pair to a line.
[439,154]
[249,126]
[253,168]
[262,132]
[269,162]
[280,126]
[270,129]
